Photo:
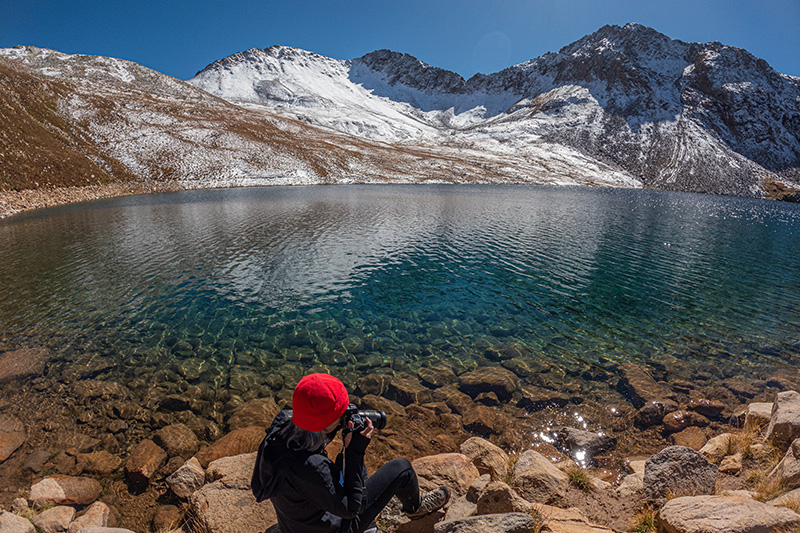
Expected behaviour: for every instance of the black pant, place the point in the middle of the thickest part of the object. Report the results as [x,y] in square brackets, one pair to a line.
[395,478]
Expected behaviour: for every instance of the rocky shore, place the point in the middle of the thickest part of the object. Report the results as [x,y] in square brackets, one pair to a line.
[14,202]
[166,452]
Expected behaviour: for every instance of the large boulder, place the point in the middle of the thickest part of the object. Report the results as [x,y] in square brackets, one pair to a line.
[724,514]
[787,471]
[453,470]
[144,462]
[11,523]
[494,379]
[187,479]
[784,423]
[65,490]
[244,440]
[537,479]
[222,509]
[677,470]
[12,435]
[177,440]
[487,457]
[493,523]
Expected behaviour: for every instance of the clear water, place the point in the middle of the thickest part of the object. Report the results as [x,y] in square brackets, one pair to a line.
[227,286]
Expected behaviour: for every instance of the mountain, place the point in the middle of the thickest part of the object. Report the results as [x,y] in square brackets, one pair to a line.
[672,115]
[623,107]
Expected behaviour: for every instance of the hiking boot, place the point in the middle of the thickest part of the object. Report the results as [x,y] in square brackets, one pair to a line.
[432,501]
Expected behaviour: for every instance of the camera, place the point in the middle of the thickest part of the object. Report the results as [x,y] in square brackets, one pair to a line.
[359,418]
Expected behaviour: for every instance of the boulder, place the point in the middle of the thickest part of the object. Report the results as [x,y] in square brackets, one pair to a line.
[784,423]
[708,408]
[12,435]
[177,440]
[96,515]
[498,497]
[533,398]
[102,462]
[21,363]
[480,420]
[144,462]
[455,399]
[167,518]
[731,464]
[235,471]
[436,376]
[537,479]
[632,484]
[717,447]
[724,514]
[787,471]
[638,386]
[680,420]
[677,470]
[692,437]
[570,520]
[65,490]
[54,520]
[653,412]
[494,523]
[487,457]
[258,412]
[582,446]
[220,509]
[453,470]
[238,441]
[757,415]
[496,379]
[406,389]
[11,523]
[187,479]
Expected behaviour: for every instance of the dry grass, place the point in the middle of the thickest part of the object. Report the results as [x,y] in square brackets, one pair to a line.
[645,521]
[540,518]
[579,478]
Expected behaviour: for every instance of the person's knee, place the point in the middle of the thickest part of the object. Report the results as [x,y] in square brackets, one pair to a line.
[401,465]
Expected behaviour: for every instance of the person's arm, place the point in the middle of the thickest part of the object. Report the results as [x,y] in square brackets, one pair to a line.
[321,485]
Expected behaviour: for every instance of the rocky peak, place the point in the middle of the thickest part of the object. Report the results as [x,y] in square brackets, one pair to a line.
[407,70]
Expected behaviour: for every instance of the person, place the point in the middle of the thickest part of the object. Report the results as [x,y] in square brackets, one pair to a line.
[311,493]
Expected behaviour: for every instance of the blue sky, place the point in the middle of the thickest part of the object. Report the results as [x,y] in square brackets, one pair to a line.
[179,37]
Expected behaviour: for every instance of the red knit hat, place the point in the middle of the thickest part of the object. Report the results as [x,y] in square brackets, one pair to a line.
[318,401]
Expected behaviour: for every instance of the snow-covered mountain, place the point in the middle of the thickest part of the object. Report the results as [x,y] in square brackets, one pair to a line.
[673,115]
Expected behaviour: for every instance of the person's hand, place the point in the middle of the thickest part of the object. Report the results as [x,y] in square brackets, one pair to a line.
[367,431]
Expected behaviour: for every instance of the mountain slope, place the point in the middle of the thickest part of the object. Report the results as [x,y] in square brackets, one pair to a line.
[675,115]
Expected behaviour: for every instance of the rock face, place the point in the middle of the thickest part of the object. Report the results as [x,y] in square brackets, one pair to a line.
[488,458]
[678,470]
[144,462]
[537,479]
[453,470]
[724,514]
[244,440]
[187,479]
[12,435]
[65,490]
[496,523]
[784,423]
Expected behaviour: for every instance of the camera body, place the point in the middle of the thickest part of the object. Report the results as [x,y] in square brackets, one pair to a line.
[359,418]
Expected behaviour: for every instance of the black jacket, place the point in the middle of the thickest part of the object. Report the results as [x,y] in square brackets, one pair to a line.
[305,487]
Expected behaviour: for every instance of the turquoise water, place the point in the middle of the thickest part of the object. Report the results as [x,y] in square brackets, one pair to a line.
[228,286]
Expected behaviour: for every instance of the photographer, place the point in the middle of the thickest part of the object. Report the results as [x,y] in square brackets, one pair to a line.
[310,492]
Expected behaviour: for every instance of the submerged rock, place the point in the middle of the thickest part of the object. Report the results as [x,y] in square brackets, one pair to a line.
[12,435]
[177,440]
[22,363]
[144,462]
[498,380]
[582,445]
[639,386]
